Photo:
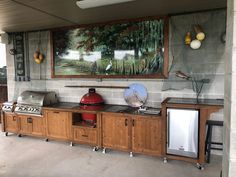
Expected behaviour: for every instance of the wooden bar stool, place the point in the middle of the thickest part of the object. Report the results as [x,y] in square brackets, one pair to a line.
[210,124]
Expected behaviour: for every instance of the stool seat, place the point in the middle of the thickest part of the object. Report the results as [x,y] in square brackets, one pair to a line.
[210,124]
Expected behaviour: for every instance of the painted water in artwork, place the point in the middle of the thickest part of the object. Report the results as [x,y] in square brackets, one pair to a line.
[122,49]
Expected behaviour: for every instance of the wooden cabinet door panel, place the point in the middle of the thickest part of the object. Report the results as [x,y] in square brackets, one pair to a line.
[146,135]
[38,127]
[11,123]
[31,125]
[25,124]
[57,124]
[115,131]
[85,135]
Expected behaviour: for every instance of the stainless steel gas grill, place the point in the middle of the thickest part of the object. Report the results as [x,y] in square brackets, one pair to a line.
[31,102]
[8,107]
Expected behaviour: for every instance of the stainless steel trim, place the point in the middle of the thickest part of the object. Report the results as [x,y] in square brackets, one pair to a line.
[168,129]
[29,114]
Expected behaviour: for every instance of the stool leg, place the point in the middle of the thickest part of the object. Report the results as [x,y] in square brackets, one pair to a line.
[207,139]
[209,144]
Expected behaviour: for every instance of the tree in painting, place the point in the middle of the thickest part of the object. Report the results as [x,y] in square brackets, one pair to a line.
[132,48]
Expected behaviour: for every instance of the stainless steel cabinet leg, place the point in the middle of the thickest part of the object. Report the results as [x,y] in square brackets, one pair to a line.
[71,144]
[165,160]
[200,166]
[131,154]
[95,148]
[104,150]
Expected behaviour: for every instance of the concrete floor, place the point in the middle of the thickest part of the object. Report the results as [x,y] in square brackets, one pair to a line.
[33,157]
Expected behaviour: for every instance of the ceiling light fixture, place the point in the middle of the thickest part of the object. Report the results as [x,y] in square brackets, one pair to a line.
[85,4]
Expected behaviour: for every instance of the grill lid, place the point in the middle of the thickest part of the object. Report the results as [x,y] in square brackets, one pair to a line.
[37,98]
[91,98]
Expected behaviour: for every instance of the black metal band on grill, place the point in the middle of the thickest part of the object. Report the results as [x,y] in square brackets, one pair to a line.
[92,104]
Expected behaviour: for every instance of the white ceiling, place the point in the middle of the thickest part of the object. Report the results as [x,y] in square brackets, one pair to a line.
[28,15]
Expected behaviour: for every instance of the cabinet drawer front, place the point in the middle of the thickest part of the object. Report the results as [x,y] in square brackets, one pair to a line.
[85,135]
[57,114]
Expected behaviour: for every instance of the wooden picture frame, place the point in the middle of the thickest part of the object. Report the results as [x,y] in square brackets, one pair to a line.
[136,48]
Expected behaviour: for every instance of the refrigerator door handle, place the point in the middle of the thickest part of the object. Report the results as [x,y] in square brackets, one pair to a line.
[168,129]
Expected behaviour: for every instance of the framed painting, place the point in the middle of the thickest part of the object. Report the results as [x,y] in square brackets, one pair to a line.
[135,48]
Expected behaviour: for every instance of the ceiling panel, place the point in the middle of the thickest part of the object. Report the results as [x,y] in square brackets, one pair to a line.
[27,15]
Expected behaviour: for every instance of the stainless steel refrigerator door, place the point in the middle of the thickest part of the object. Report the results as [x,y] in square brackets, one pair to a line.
[182,132]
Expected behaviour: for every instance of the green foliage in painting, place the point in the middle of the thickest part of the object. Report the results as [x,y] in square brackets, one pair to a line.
[132,48]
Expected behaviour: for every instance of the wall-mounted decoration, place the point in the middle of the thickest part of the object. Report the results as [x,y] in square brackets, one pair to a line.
[38,55]
[199,37]
[21,59]
[131,49]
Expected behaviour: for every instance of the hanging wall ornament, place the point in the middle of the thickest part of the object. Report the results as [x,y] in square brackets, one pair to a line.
[187,38]
[200,35]
[195,44]
[38,56]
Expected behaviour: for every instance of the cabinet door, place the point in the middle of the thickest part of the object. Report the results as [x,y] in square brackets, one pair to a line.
[58,124]
[31,125]
[25,124]
[146,135]
[115,131]
[11,122]
[38,127]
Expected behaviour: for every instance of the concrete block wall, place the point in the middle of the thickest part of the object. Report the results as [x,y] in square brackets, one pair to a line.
[41,74]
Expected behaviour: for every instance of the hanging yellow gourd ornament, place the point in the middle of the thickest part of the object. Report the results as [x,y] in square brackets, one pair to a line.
[200,35]
[187,38]
[38,56]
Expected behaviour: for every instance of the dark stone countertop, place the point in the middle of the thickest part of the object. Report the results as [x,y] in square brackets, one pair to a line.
[123,109]
[207,102]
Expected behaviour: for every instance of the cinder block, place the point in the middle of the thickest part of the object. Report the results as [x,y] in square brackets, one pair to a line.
[232,168]
[232,143]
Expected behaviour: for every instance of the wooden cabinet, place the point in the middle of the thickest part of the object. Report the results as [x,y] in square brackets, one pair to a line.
[141,134]
[115,131]
[126,132]
[85,135]
[146,135]
[10,123]
[58,124]
[31,125]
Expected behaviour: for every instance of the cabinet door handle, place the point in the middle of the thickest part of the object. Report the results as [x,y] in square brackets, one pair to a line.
[14,118]
[29,120]
[85,136]
[126,122]
[55,112]
[133,122]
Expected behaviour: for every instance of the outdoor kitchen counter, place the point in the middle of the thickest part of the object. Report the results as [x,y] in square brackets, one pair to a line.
[122,109]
